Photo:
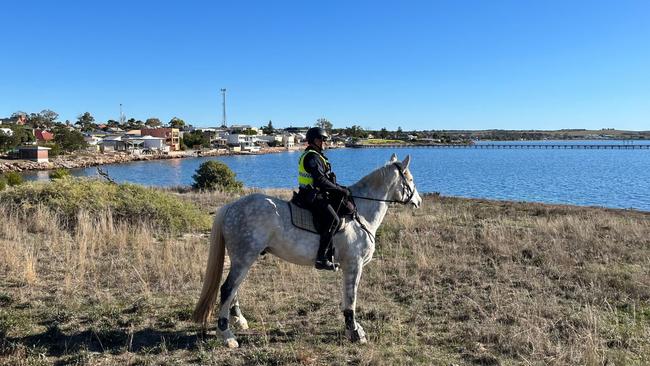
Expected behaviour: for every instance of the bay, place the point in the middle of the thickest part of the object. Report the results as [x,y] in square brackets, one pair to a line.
[610,178]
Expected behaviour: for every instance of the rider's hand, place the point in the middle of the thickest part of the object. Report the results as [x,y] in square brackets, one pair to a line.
[346,192]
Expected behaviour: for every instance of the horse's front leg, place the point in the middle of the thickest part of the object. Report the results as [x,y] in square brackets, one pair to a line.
[351,277]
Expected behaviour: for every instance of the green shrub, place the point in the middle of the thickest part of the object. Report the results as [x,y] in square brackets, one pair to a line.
[55,149]
[3,184]
[59,173]
[215,175]
[14,178]
[126,203]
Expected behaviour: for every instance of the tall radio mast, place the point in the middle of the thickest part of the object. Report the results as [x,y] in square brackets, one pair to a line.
[223,95]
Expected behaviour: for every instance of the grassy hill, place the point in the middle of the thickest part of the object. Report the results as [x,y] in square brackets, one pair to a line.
[457,282]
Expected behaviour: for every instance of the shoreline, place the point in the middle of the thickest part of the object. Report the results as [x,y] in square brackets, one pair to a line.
[86,159]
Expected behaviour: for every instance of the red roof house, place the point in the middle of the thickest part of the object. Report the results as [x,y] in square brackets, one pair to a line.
[43,136]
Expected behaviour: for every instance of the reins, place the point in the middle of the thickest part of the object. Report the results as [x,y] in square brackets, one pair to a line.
[405,187]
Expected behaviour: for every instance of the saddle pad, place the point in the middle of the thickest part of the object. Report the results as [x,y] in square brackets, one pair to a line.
[302,218]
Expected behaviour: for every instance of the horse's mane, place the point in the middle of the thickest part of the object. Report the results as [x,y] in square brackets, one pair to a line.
[377,175]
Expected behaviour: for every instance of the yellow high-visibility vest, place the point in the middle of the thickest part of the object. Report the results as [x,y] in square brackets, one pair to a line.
[304,178]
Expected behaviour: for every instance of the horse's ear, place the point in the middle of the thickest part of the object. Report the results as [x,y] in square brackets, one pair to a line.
[393,158]
[405,163]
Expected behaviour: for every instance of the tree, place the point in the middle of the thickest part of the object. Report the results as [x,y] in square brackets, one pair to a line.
[324,124]
[383,133]
[152,122]
[69,140]
[43,119]
[215,175]
[112,123]
[18,114]
[356,131]
[86,122]
[176,123]
[20,135]
[133,124]
[49,116]
[268,130]
[249,132]
[6,142]
[196,138]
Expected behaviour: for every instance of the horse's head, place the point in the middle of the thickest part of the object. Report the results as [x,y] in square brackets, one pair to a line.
[405,191]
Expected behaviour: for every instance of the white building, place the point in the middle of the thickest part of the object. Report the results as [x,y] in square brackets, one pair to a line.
[289,140]
[239,139]
[92,140]
[277,139]
[153,143]
[112,143]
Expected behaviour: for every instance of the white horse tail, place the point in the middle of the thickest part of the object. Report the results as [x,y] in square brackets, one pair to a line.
[213,272]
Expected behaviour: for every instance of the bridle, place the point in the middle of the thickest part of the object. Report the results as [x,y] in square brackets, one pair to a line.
[407,190]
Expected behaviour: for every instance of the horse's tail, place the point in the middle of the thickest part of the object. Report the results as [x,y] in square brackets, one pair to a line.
[213,272]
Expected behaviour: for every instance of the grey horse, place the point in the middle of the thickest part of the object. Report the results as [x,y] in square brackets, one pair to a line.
[258,223]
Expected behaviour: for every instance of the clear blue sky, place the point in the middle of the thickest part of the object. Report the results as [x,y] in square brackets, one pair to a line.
[419,65]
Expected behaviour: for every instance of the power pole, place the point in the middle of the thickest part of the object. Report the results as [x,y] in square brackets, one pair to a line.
[223,95]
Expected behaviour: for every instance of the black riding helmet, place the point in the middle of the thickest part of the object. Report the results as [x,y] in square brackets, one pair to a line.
[316,133]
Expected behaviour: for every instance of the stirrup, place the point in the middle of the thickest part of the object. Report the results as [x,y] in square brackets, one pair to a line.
[326,265]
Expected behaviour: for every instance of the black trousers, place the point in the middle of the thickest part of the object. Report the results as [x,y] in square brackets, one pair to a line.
[326,218]
[326,222]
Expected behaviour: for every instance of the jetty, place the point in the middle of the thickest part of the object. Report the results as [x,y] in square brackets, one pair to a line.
[508,146]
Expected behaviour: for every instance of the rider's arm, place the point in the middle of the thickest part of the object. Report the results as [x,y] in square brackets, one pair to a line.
[315,167]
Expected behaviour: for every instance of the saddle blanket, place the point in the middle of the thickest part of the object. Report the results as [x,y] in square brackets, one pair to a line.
[303,219]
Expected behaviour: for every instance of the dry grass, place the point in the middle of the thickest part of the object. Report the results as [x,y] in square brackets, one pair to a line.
[456,282]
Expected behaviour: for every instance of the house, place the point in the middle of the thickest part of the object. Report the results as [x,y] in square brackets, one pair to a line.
[153,143]
[300,130]
[112,143]
[239,139]
[19,120]
[92,140]
[171,135]
[43,136]
[241,128]
[272,140]
[38,154]
[288,140]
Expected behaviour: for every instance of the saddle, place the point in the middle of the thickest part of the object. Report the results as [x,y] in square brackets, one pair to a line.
[302,218]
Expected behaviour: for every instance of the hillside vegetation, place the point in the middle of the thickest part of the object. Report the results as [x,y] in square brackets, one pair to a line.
[456,282]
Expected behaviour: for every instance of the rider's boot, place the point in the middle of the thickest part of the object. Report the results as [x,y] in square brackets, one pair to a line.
[324,257]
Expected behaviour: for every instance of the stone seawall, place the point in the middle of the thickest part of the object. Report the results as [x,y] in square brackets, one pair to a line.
[76,161]
[94,159]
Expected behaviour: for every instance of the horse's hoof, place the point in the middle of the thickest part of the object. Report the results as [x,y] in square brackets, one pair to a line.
[231,343]
[240,322]
[357,335]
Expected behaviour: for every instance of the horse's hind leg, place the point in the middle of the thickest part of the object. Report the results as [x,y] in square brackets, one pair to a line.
[238,271]
[236,315]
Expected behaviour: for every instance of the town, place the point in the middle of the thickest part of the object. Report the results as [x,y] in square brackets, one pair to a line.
[29,141]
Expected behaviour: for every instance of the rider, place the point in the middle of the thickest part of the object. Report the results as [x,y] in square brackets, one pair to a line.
[318,188]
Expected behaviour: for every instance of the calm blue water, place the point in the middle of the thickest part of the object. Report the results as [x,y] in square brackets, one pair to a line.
[610,178]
